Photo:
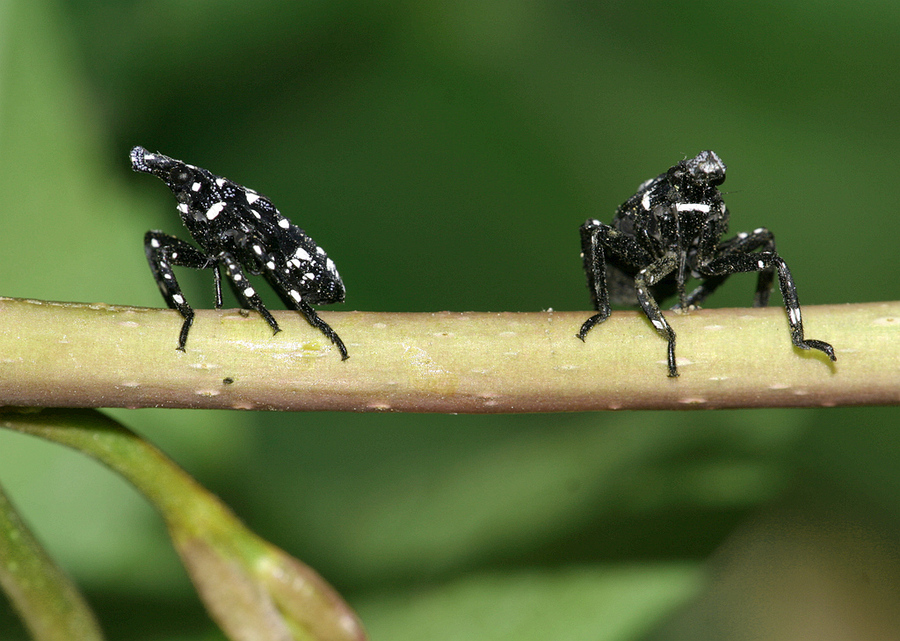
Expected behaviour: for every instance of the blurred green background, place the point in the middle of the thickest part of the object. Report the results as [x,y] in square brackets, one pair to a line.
[445,154]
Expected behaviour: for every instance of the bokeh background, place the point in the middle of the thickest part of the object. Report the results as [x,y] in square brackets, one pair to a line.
[445,155]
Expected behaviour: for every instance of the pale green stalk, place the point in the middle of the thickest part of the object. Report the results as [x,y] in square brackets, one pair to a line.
[49,604]
[77,355]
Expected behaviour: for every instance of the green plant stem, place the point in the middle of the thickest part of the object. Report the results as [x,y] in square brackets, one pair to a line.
[77,355]
[50,605]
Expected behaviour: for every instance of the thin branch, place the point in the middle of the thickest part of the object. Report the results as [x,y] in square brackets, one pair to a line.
[77,355]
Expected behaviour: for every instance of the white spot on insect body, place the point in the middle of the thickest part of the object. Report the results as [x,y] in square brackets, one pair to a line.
[645,201]
[256,214]
[284,223]
[320,251]
[252,197]
[257,250]
[249,292]
[309,276]
[760,264]
[794,314]
[703,208]
[329,264]
[220,182]
[295,295]
[302,254]
[215,210]
[154,243]
[183,208]
[658,324]
[759,230]
[178,298]
[270,264]
[196,187]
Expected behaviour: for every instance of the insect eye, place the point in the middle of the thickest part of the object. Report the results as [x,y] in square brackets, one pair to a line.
[179,176]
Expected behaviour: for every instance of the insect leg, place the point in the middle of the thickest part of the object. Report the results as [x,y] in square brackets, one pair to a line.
[760,238]
[217,282]
[252,252]
[163,251]
[595,268]
[598,241]
[701,291]
[314,320]
[293,297]
[643,281]
[743,243]
[771,261]
[244,291]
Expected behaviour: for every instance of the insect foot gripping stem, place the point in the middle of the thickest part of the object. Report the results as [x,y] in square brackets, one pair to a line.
[669,230]
[239,230]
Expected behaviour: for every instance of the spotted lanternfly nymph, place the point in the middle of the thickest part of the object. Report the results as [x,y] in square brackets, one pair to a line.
[237,229]
[669,230]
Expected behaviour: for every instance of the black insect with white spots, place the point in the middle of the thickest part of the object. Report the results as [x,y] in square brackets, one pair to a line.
[237,229]
[670,230]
